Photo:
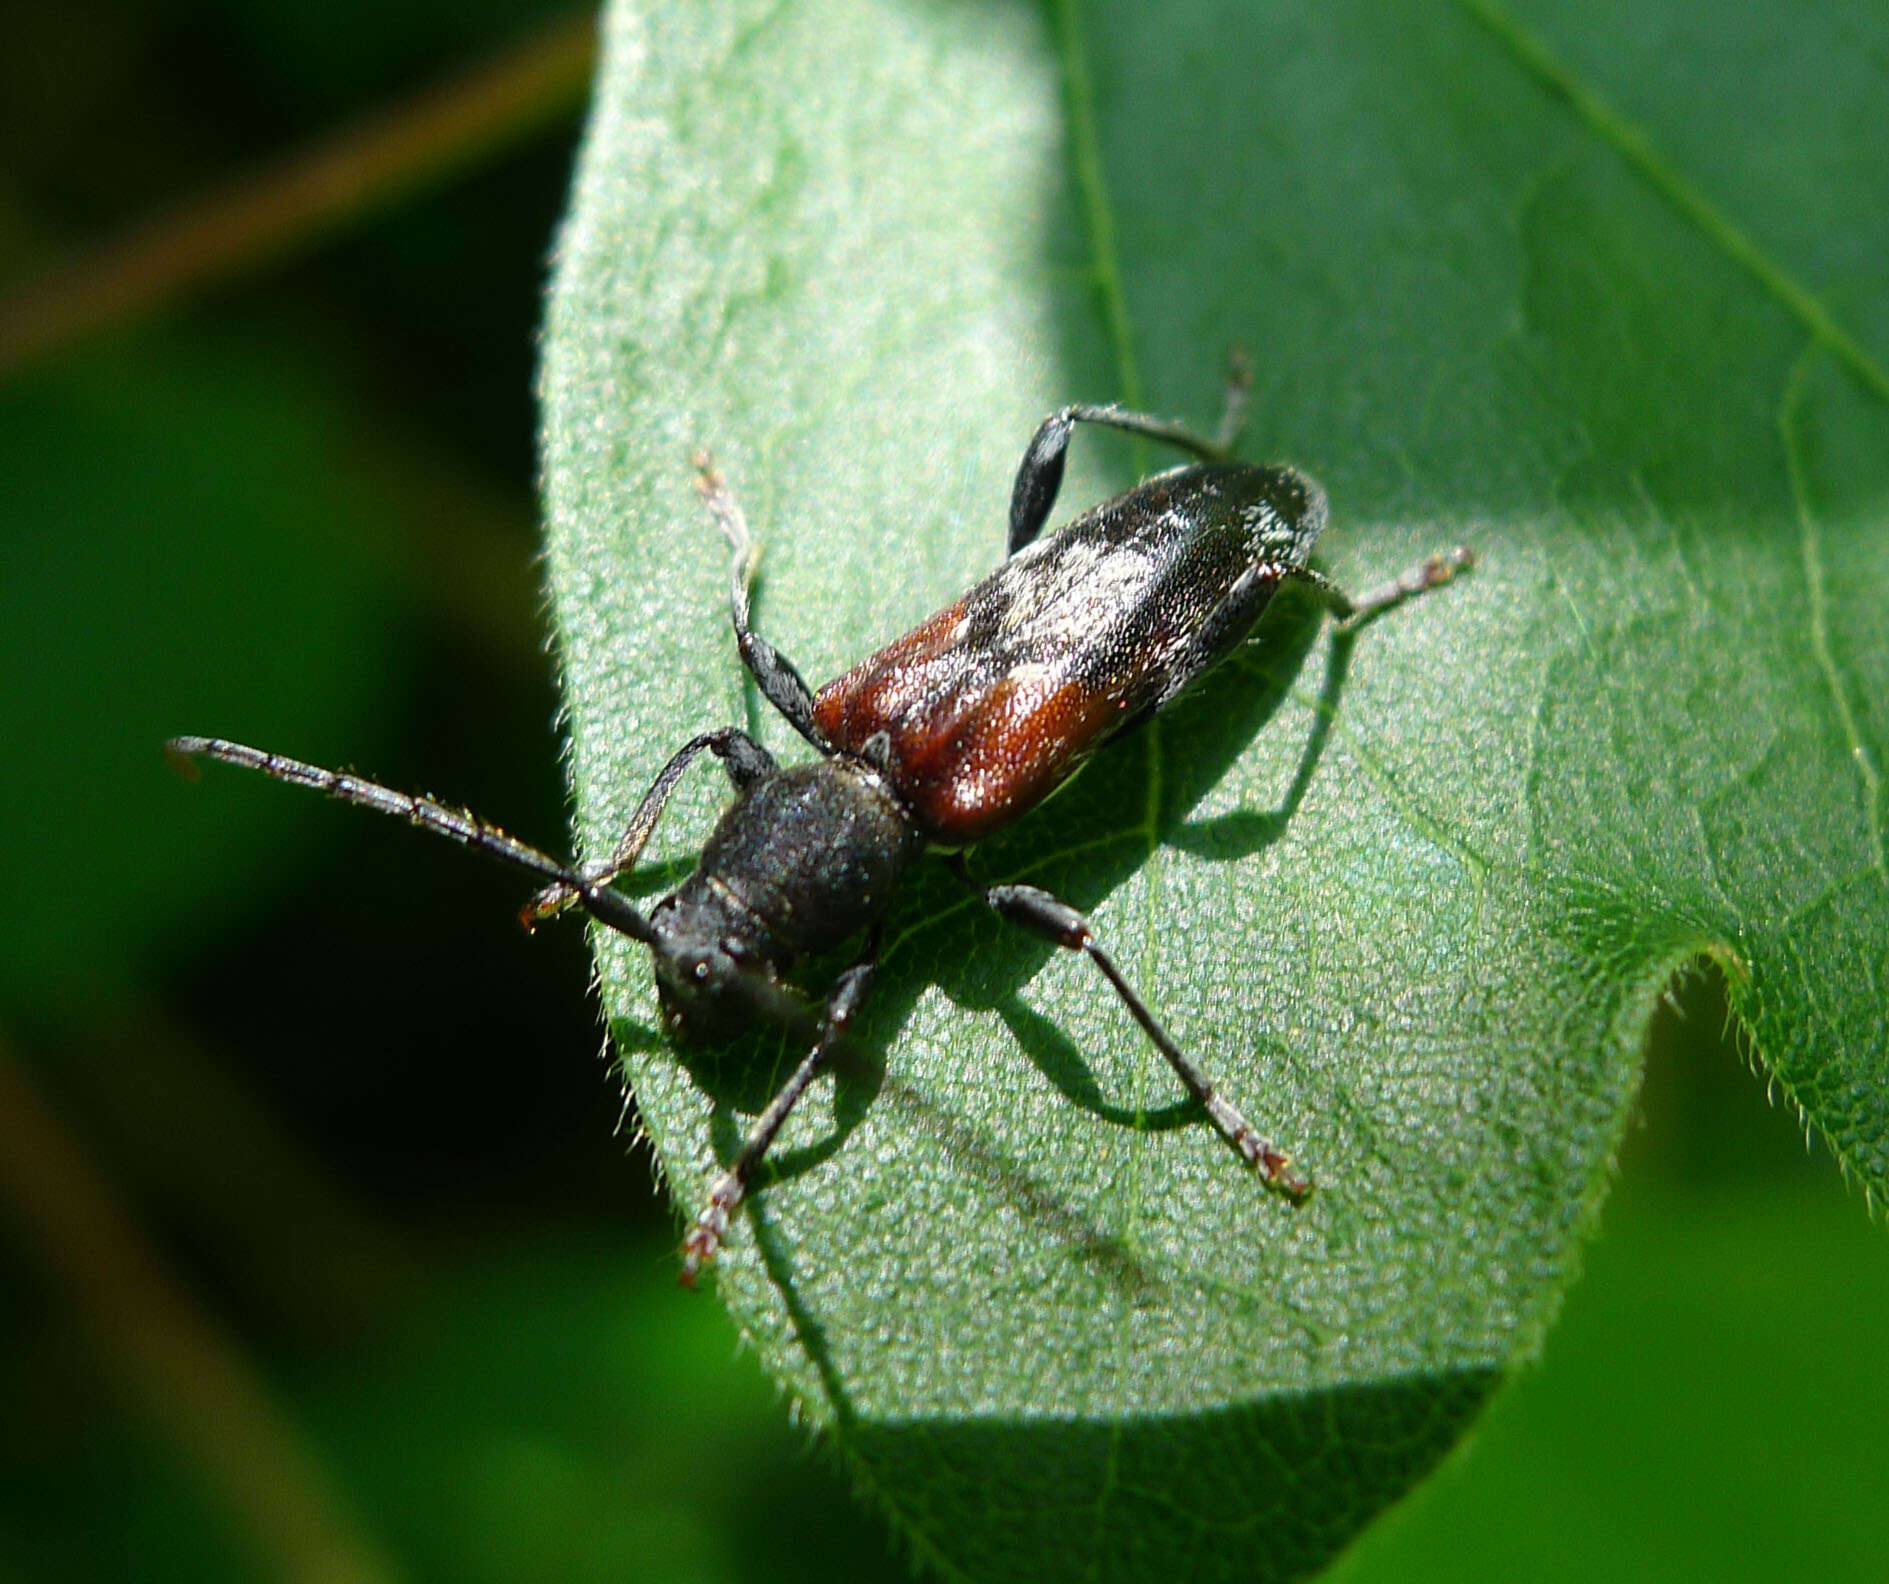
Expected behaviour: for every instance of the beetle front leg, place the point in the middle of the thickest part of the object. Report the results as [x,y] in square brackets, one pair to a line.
[1430,573]
[745,760]
[1057,922]
[774,674]
[1040,474]
[711,1226]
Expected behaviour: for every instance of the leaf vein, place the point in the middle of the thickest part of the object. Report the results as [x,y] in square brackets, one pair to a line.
[1636,148]
[1098,209]
[1409,809]
[1099,214]
[1811,538]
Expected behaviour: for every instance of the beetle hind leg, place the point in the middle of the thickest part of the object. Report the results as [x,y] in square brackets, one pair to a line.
[1354,612]
[1040,474]
[1239,387]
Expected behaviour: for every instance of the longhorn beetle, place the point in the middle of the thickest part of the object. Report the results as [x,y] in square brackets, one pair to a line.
[946,735]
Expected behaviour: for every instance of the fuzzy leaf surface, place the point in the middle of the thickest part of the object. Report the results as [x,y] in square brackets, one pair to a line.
[1543,280]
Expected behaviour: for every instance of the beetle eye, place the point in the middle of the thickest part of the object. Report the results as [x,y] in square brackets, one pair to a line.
[708,969]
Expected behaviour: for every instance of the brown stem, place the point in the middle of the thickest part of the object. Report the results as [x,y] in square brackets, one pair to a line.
[192,1377]
[265,216]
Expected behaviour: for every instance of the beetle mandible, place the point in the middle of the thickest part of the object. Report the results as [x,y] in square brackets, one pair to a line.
[944,736]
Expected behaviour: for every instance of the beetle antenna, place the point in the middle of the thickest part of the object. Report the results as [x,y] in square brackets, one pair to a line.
[457,824]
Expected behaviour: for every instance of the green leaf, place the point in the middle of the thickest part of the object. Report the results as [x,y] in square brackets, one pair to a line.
[1554,283]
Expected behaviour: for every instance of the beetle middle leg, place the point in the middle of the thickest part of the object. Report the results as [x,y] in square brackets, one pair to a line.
[1040,474]
[745,760]
[842,1005]
[774,674]
[1057,922]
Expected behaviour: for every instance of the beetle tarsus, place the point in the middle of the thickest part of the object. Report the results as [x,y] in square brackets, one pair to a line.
[1275,1167]
[703,1243]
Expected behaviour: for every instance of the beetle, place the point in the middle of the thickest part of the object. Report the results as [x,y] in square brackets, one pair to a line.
[949,733]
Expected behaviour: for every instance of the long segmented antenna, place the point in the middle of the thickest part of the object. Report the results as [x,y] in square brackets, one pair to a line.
[456,824]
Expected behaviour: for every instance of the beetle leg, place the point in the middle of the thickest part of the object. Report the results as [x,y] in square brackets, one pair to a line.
[461,825]
[774,674]
[745,760]
[1040,474]
[1055,921]
[724,1198]
[1430,573]
[1239,386]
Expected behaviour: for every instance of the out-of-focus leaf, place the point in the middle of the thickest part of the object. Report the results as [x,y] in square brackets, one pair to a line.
[566,1414]
[186,534]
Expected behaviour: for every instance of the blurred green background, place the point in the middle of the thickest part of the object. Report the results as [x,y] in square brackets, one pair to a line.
[327,1254]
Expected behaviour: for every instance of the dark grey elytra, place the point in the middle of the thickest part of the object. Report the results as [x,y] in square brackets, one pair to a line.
[950,732]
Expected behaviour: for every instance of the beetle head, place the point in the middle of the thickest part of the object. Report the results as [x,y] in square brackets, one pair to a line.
[715,974]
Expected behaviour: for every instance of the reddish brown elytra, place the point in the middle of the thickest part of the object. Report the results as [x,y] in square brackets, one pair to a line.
[981,712]
[946,735]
